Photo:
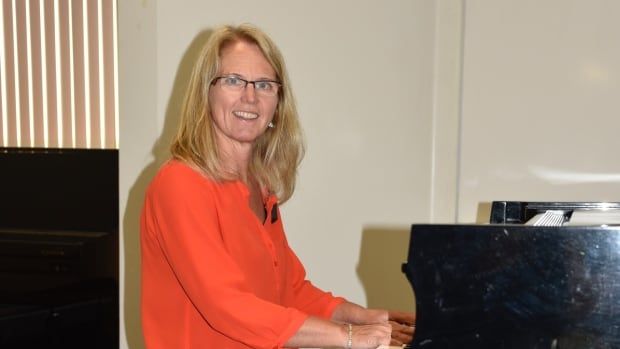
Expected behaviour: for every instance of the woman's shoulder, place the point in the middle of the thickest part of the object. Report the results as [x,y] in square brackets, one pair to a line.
[177,187]
[176,173]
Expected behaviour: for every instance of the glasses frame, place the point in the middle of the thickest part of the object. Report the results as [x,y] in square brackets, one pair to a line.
[246,82]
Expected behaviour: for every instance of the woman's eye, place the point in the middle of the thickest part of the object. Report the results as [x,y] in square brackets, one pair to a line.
[231,80]
[263,85]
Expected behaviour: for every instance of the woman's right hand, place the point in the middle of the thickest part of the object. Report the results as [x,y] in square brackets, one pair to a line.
[370,336]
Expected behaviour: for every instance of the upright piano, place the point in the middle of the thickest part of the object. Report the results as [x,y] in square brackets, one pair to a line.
[58,248]
[539,275]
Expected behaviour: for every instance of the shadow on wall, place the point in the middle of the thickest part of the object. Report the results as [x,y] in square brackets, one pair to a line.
[483,214]
[382,254]
[131,218]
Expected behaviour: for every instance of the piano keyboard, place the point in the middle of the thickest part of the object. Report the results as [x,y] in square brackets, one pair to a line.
[550,218]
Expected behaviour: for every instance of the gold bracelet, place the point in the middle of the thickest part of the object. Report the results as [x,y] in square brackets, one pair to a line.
[350,339]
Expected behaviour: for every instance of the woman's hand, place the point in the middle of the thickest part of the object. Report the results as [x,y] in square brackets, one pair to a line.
[402,323]
[370,336]
[374,316]
[403,327]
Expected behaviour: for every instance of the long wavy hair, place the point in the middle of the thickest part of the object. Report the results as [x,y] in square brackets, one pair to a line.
[276,153]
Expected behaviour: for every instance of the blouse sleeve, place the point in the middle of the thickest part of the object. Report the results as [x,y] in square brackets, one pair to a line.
[181,215]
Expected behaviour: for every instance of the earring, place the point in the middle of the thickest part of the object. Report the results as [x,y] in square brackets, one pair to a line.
[270,124]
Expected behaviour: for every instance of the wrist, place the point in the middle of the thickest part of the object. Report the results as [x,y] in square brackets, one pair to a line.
[377,316]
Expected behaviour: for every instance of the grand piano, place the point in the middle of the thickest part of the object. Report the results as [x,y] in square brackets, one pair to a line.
[539,275]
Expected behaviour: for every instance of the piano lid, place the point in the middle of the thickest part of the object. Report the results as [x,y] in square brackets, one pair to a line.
[515,286]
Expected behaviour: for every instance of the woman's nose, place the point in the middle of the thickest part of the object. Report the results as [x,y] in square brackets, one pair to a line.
[249,92]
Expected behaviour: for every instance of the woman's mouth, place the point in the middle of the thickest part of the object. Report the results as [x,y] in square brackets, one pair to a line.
[245,115]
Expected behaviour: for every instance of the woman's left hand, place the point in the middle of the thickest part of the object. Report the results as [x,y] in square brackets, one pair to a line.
[403,327]
[375,316]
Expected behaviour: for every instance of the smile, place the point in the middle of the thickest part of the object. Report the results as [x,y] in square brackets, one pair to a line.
[245,115]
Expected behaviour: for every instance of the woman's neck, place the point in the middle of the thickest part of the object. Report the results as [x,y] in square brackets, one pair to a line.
[235,156]
[237,160]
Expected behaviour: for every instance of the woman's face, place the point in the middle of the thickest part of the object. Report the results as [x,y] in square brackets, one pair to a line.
[240,116]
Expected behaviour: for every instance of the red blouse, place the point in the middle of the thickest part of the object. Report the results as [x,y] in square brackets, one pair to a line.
[213,275]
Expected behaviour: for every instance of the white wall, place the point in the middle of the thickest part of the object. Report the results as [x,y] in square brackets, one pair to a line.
[539,119]
[139,131]
[414,111]
[363,73]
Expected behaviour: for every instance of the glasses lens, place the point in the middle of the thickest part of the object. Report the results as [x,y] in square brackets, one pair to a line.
[233,82]
[262,87]
[267,88]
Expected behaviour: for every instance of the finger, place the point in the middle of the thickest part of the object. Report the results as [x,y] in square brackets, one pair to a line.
[396,343]
[402,341]
[406,322]
[403,338]
[402,317]
[408,330]
[402,328]
[408,318]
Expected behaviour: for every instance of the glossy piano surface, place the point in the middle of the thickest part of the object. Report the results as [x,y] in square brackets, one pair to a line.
[515,286]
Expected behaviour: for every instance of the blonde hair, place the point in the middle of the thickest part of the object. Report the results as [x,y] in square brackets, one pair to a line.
[277,153]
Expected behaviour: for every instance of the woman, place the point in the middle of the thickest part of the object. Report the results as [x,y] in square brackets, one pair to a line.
[217,271]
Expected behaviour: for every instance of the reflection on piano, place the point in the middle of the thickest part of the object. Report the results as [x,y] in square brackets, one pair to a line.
[517,282]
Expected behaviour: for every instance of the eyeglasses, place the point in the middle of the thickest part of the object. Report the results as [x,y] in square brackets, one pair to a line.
[235,83]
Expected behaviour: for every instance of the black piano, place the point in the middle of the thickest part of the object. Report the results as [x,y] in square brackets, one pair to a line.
[58,248]
[539,275]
